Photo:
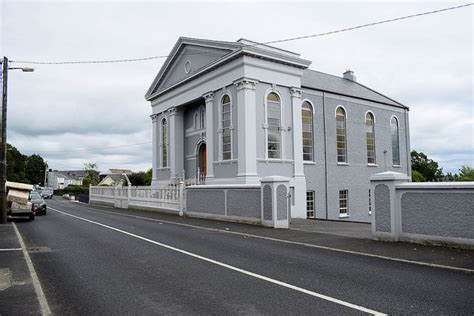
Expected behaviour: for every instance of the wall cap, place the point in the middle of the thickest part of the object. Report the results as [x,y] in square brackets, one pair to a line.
[389,176]
[436,185]
[223,186]
[275,179]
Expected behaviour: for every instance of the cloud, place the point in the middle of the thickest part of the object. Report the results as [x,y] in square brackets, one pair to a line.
[425,63]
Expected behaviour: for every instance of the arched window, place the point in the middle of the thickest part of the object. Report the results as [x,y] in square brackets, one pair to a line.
[273,123]
[164,143]
[395,141]
[196,120]
[202,115]
[370,137]
[341,141]
[307,121]
[226,131]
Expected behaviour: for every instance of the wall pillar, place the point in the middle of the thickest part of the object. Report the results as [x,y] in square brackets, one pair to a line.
[275,202]
[299,210]
[246,118]
[176,142]
[155,146]
[386,217]
[210,146]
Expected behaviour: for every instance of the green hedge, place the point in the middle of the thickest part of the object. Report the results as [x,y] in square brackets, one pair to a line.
[76,190]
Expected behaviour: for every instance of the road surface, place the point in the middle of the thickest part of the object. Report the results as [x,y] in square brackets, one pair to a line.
[93,261]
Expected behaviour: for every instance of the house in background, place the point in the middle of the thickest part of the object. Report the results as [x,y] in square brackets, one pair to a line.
[235,112]
[113,180]
[114,177]
[61,179]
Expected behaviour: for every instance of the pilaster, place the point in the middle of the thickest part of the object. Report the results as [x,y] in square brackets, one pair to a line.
[246,118]
[210,147]
[176,140]
[155,147]
[299,209]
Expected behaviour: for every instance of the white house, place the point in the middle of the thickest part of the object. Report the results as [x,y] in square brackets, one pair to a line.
[231,113]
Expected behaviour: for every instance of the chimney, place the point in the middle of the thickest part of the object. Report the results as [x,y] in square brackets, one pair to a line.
[349,75]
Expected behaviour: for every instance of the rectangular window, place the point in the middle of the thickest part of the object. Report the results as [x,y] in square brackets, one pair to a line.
[310,204]
[343,202]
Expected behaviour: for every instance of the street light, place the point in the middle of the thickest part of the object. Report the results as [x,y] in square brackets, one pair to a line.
[3,145]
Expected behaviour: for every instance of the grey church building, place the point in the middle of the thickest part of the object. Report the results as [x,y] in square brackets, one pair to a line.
[231,113]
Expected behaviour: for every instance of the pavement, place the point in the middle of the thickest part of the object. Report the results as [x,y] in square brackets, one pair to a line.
[113,260]
[17,293]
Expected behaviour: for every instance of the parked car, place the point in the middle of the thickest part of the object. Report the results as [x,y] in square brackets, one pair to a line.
[18,200]
[39,205]
[47,193]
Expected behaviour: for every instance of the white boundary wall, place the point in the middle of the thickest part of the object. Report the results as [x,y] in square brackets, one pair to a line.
[171,199]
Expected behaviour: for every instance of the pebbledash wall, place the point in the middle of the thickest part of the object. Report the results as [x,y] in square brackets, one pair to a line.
[440,213]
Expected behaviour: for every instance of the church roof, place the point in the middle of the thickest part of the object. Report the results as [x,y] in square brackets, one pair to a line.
[329,83]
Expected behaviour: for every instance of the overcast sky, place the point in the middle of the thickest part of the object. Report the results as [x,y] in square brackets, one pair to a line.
[60,110]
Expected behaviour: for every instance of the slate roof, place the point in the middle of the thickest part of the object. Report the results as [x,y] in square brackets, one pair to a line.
[329,83]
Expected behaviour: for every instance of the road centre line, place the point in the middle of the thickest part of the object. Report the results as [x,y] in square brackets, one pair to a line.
[45,310]
[224,265]
[426,264]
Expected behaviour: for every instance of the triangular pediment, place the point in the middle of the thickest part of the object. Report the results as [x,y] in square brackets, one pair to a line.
[188,57]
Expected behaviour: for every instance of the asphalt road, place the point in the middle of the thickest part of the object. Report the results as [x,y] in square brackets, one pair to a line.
[93,262]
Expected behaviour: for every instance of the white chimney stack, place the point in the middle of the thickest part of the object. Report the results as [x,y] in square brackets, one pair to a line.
[349,75]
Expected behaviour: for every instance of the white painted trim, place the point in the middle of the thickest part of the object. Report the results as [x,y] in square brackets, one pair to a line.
[345,111]
[373,115]
[310,103]
[398,138]
[312,128]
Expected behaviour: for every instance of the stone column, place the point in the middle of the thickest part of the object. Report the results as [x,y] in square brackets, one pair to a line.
[299,209]
[386,217]
[155,147]
[176,142]
[275,202]
[247,130]
[210,146]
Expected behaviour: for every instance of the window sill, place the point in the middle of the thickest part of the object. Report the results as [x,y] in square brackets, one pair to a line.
[225,162]
[343,216]
[308,162]
[166,168]
[343,164]
[372,165]
[275,160]
[396,166]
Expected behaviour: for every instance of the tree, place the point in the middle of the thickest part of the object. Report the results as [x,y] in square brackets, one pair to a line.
[137,178]
[428,168]
[15,164]
[140,178]
[466,173]
[148,176]
[416,176]
[92,177]
[35,169]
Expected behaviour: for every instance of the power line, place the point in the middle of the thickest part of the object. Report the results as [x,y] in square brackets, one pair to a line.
[86,149]
[248,45]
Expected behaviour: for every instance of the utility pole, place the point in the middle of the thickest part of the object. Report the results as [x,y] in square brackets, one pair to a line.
[3,145]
